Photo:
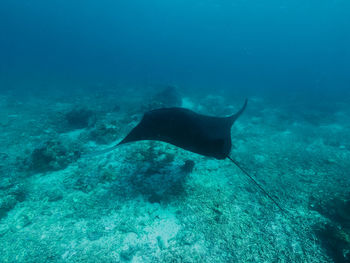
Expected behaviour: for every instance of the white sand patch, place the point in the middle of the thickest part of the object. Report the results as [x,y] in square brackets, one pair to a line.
[73,135]
[161,228]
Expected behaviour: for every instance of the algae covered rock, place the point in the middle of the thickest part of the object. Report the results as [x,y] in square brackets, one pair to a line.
[13,196]
[128,253]
[7,203]
[51,156]
[188,166]
[104,134]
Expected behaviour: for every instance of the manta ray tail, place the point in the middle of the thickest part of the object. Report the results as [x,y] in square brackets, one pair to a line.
[256,183]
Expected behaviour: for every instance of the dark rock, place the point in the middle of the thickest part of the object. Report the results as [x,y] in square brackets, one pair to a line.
[79,118]
[335,209]
[334,236]
[7,204]
[41,159]
[51,156]
[19,192]
[333,242]
[154,198]
[157,179]
[116,108]
[188,166]
[104,135]
[128,253]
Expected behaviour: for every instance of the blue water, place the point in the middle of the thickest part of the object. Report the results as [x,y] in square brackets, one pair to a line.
[76,77]
[254,46]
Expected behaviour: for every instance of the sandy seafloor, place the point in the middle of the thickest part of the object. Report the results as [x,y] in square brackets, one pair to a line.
[152,202]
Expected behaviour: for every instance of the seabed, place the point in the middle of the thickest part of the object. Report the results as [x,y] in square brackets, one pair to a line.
[152,202]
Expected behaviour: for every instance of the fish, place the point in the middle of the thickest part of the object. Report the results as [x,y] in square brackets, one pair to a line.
[205,135]
[202,134]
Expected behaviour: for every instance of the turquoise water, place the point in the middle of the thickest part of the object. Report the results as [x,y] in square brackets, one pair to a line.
[77,76]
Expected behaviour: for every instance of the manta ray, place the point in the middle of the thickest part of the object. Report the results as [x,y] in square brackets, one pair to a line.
[205,135]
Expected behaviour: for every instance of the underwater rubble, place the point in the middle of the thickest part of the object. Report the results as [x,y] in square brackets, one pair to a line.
[52,155]
[153,202]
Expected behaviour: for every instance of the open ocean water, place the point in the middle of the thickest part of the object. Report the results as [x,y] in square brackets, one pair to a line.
[77,76]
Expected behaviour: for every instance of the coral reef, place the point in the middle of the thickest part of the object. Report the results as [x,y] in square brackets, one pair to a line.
[104,134]
[51,156]
[153,202]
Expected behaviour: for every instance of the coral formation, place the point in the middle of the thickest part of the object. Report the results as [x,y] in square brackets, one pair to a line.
[51,156]
[153,202]
[103,134]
